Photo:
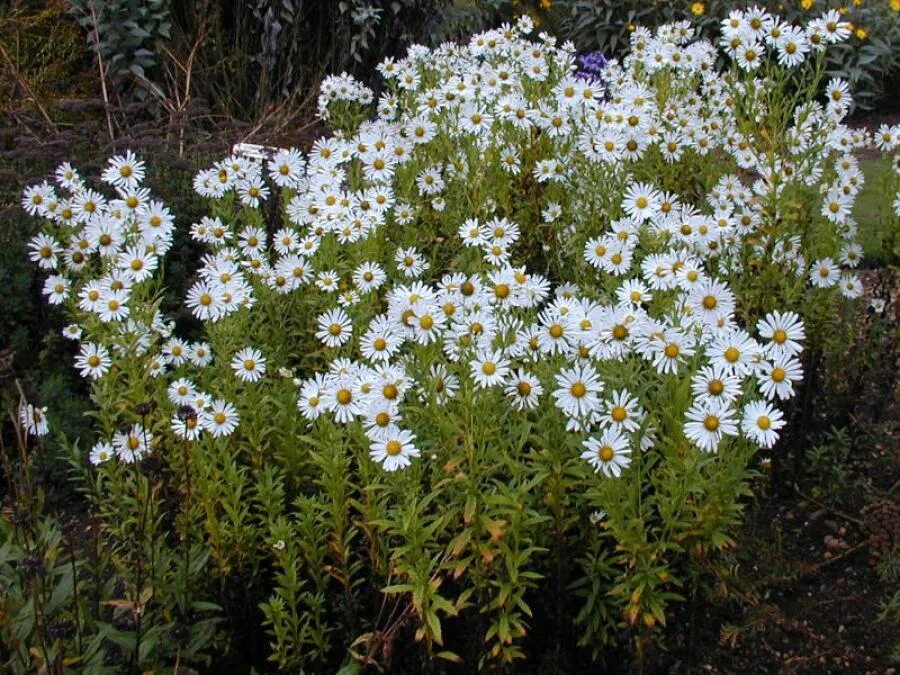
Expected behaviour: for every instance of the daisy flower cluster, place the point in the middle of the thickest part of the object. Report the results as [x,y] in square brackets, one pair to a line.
[407,235]
[654,297]
[97,250]
[101,253]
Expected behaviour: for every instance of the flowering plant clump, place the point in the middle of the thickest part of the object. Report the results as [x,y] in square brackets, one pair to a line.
[866,56]
[520,330]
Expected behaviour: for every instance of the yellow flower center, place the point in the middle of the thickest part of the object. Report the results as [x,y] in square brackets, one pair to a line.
[732,354]
[711,423]
[779,337]
[763,422]
[390,392]
[578,390]
[393,447]
[606,453]
[220,418]
[488,368]
[344,396]
[710,302]
[671,350]
[619,414]
[778,374]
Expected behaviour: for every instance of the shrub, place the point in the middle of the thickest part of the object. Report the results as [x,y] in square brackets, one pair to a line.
[477,366]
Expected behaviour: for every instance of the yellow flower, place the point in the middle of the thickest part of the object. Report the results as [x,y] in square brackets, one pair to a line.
[857,3]
[842,11]
[630,27]
[698,9]
[545,4]
[895,5]
[807,4]
[861,33]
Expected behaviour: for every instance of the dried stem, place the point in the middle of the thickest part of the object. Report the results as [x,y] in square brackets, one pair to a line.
[29,92]
[103,73]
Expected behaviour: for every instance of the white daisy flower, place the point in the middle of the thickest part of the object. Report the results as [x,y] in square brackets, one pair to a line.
[394,451]
[249,365]
[760,423]
[220,418]
[609,453]
[335,328]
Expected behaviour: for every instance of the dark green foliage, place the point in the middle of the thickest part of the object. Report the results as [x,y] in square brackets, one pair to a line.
[124,32]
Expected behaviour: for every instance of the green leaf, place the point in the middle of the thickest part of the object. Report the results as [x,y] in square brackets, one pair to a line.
[434,625]
[449,656]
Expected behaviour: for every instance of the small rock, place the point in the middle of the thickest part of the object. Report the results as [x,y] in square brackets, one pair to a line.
[835,544]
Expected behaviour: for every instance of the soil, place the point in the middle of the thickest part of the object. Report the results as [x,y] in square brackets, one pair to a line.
[812,606]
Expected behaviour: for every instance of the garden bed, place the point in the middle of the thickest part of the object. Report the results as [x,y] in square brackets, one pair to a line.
[461,414]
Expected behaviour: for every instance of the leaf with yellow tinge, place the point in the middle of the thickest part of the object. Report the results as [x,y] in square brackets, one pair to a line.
[449,656]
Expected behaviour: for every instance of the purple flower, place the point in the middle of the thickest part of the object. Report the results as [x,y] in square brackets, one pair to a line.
[592,64]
